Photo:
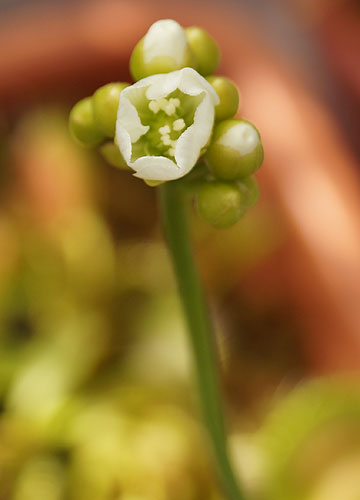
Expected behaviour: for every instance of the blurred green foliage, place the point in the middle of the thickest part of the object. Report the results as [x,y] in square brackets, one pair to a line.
[96,392]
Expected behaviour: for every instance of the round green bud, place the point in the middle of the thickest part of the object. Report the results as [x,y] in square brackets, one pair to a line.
[163,49]
[221,204]
[228,95]
[105,104]
[82,124]
[250,188]
[112,155]
[205,48]
[141,68]
[235,150]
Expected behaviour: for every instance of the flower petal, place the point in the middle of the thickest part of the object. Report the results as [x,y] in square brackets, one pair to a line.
[192,83]
[156,168]
[187,80]
[191,142]
[123,141]
[162,87]
[128,118]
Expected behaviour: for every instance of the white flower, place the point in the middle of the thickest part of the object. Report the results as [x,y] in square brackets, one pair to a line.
[163,123]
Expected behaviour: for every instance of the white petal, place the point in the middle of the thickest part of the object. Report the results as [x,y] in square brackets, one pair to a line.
[123,141]
[156,168]
[192,83]
[128,118]
[191,142]
[165,38]
[187,80]
[162,87]
[242,137]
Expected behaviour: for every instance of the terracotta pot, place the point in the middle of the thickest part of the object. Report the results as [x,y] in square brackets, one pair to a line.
[64,53]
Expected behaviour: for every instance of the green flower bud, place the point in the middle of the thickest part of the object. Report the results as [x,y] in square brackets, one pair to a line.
[228,94]
[163,49]
[82,124]
[235,151]
[105,104]
[112,155]
[221,204]
[205,48]
[250,188]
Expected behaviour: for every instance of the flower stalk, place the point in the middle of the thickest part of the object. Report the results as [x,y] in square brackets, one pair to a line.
[201,334]
[175,128]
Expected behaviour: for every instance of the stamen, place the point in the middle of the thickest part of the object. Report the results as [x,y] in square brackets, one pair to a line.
[175,101]
[178,124]
[165,139]
[154,106]
[168,106]
[164,130]
[162,103]
[170,109]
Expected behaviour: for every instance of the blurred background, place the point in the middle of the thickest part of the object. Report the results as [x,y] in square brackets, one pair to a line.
[97,399]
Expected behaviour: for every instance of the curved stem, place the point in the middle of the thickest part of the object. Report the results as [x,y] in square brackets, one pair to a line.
[173,210]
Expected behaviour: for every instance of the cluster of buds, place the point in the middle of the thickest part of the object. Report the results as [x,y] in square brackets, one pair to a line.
[176,116]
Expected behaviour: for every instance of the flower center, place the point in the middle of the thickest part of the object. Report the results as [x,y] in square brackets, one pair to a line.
[166,126]
[167,118]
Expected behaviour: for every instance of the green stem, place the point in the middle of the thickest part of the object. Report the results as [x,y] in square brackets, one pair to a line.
[174,214]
